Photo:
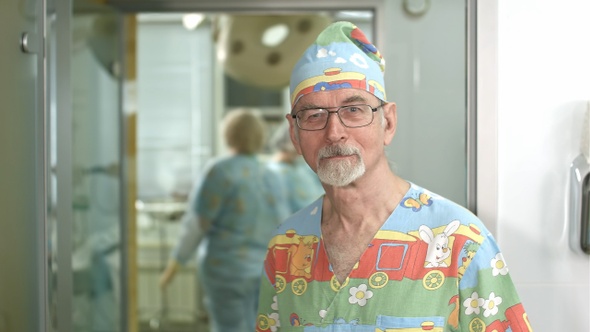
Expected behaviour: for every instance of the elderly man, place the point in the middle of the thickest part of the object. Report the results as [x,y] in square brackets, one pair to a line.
[376,252]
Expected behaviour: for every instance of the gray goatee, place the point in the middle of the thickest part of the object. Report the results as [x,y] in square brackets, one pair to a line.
[340,173]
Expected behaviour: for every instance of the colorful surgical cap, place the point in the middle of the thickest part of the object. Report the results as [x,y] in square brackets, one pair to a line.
[340,58]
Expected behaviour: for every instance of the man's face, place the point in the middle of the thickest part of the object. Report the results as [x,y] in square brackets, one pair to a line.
[339,154]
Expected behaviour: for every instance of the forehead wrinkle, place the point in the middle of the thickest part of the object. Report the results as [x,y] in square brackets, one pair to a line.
[355,98]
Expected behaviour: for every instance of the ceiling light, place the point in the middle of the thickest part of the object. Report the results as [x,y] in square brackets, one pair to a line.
[192,21]
[275,35]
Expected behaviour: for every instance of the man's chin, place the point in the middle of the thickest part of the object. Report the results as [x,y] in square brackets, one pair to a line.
[334,182]
[339,178]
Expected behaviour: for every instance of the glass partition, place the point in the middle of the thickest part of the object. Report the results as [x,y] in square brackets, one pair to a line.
[84,176]
[96,167]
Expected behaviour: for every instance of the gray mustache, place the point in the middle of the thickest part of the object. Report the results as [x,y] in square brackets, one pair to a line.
[337,150]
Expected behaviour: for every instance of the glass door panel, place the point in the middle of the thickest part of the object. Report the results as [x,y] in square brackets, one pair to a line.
[96,165]
[84,173]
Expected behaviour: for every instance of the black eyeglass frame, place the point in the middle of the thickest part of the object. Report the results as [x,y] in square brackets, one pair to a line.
[338,108]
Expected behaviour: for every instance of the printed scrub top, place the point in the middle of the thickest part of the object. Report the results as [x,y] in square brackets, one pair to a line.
[433,266]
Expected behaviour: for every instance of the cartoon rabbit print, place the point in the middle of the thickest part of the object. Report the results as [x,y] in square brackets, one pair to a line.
[438,245]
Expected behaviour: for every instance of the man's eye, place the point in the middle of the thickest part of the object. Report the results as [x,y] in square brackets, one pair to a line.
[310,115]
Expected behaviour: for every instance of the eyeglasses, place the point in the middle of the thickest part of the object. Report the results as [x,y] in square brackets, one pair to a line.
[351,116]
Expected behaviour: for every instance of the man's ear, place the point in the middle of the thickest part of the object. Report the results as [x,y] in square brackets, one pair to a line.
[390,119]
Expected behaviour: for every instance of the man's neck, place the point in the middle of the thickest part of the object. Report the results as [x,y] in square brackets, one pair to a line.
[352,215]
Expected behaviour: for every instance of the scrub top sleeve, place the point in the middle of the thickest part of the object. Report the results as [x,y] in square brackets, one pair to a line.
[190,237]
[488,296]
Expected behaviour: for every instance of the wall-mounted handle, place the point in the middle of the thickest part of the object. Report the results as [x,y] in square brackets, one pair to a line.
[580,205]
[29,43]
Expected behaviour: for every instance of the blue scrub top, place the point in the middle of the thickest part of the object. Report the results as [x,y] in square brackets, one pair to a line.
[242,199]
[300,183]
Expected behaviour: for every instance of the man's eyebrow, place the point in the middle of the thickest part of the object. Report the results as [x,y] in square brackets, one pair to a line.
[307,106]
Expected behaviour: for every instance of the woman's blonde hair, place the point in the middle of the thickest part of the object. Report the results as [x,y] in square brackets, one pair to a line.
[244,130]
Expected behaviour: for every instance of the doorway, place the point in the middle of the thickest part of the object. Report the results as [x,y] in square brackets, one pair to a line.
[183,89]
[112,153]
[125,204]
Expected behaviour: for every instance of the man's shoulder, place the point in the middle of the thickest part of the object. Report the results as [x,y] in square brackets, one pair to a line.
[306,219]
[435,206]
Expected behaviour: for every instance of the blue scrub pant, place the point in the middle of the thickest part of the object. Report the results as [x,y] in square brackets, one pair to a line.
[232,305]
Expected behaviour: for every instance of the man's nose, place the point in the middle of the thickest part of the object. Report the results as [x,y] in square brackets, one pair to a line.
[334,128]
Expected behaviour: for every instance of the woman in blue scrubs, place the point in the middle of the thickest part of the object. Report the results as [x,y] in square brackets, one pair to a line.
[233,210]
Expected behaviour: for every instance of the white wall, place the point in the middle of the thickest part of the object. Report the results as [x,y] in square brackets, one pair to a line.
[533,89]
[543,86]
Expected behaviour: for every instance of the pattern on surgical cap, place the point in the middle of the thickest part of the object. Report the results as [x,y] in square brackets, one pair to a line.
[341,57]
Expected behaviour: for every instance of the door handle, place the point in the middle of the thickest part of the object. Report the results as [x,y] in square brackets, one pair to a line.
[29,43]
[580,205]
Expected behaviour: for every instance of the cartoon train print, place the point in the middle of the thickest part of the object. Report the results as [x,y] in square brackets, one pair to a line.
[409,255]
[295,254]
